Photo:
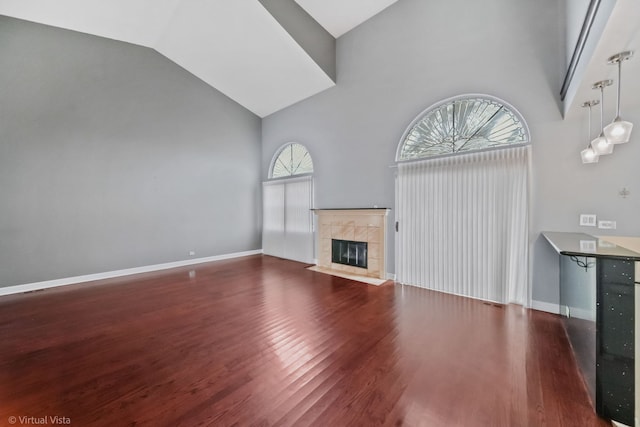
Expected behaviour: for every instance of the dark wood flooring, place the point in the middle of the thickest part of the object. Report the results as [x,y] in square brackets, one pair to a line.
[261,341]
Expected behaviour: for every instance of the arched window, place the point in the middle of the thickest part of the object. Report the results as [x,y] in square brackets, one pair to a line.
[287,203]
[292,159]
[462,124]
[462,200]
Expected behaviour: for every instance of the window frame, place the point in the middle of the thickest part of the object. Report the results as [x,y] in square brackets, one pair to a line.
[452,99]
[277,154]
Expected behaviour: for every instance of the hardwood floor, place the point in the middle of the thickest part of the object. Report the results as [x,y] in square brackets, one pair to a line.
[261,341]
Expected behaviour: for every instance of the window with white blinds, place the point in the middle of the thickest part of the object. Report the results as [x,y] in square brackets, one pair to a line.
[463,224]
[287,218]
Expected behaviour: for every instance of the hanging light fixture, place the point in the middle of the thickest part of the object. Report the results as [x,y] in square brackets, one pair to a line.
[601,144]
[589,155]
[619,131]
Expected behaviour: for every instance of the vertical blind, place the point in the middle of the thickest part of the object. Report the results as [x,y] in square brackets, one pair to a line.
[287,230]
[463,224]
[273,219]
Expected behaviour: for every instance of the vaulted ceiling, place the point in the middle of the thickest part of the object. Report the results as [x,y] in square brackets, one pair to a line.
[340,16]
[238,46]
[246,49]
[620,32]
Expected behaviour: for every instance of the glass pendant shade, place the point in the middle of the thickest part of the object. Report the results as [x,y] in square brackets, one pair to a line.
[601,145]
[589,155]
[618,131]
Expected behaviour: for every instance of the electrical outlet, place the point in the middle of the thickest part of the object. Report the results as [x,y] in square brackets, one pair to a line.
[192,253]
[588,220]
[607,225]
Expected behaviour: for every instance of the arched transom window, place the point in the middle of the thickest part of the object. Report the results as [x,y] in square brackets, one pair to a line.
[292,159]
[462,124]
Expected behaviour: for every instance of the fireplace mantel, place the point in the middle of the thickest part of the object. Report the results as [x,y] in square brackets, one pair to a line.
[355,224]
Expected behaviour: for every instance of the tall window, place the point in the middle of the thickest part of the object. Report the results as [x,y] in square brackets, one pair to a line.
[287,226]
[462,207]
[292,159]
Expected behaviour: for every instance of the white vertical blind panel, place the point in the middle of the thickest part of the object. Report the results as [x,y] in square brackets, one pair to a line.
[299,220]
[287,225]
[273,236]
[463,224]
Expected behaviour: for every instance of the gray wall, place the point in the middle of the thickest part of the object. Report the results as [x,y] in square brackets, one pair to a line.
[112,156]
[416,53]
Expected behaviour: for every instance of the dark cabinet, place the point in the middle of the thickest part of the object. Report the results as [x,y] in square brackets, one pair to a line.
[598,281]
[615,343]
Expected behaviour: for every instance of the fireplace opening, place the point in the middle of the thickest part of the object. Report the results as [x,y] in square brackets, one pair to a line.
[349,253]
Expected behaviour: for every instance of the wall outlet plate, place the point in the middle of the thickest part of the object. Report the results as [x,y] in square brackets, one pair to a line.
[588,220]
[607,225]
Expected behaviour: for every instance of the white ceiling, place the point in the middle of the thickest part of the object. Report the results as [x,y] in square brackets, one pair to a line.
[622,32]
[235,46]
[340,16]
[241,50]
[135,21]
[264,69]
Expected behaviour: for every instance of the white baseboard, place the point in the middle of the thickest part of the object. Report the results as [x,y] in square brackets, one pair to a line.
[391,276]
[582,314]
[545,306]
[8,290]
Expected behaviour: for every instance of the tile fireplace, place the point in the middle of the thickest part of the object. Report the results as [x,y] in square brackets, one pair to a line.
[352,241]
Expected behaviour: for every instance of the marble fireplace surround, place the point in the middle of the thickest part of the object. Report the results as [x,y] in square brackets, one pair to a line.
[359,225]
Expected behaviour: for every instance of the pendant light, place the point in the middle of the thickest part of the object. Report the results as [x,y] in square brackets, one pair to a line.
[601,144]
[589,155]
[619,131]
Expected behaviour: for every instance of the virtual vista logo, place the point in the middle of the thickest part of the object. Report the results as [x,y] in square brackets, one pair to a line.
[46,420]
